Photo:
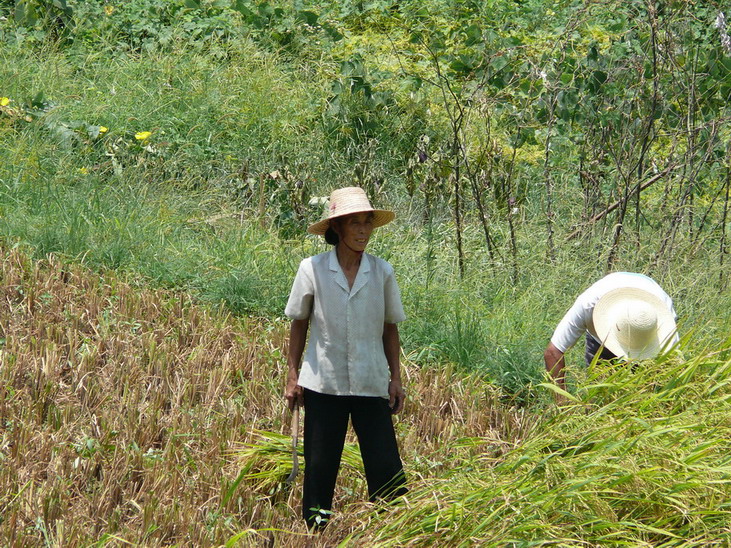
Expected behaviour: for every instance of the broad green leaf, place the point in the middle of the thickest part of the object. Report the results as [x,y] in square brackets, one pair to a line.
[309,17]
[560,391]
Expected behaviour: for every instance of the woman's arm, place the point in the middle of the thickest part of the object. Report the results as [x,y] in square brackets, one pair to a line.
[392,348]
[297,339]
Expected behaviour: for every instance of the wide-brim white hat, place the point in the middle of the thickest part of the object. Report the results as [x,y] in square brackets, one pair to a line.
[348,200]
[633,323]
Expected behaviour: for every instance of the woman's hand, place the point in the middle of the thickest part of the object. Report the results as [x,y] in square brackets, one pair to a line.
[392,349]
[396,396]
[293,392]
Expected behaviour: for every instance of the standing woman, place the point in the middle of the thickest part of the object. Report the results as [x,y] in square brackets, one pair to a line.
[350,302]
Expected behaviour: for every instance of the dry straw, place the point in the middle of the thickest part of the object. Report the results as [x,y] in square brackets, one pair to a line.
[131,416]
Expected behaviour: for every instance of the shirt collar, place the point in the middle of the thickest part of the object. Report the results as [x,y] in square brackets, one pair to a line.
[360,279]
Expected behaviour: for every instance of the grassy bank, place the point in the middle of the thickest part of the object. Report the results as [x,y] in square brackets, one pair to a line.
[188,161]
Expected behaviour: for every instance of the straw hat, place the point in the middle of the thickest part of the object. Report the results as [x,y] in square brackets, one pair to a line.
[345,201]
[633,323]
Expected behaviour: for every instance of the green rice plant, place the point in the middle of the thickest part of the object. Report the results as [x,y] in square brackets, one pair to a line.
[516,368]
[462,342]
[641,458]
[266,461]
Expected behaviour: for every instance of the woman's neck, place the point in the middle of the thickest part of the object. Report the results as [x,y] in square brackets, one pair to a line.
[348,258]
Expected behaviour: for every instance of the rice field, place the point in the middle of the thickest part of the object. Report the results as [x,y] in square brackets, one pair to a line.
[146,150]
[132,416]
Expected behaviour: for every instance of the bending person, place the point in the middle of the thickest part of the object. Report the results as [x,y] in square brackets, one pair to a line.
[624,315]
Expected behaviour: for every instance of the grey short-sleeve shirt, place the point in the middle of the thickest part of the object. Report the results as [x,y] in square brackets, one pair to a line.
[345,354]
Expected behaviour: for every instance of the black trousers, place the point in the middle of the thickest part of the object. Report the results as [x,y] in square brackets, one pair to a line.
[592,349]
[326,423]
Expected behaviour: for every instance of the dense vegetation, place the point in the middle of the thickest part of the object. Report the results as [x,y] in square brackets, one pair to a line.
[527,147]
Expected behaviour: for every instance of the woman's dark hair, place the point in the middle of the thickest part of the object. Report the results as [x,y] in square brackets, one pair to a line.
[331,236]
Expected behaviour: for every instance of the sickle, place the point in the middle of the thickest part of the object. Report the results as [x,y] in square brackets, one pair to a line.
[295,435]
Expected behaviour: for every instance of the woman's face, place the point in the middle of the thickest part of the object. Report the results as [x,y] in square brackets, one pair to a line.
[355,230]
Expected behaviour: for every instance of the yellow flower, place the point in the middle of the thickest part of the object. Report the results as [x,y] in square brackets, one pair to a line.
[103,129]
[143,135]
[4,101]
[84,170]
[109,10]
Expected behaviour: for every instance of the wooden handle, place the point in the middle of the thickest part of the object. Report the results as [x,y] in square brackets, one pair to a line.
[295,426]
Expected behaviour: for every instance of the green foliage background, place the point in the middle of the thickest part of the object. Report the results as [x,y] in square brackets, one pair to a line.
[494,129]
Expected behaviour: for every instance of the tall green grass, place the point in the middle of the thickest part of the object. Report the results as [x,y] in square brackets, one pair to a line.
[149,231]
[215,201]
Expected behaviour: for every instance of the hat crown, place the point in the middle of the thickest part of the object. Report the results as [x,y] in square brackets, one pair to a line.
[633,323]
[636,324]
[351,199]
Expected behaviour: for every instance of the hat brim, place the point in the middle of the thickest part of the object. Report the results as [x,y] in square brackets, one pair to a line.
[380,217]
[605,322]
